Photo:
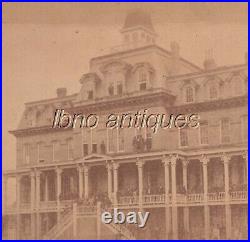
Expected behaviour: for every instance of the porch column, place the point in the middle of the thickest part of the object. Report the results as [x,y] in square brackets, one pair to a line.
[115,171]
[226,160]
[18,203]
[245,157]
[228,221]
[140,164]
[80,177]
[32,190]
[185,185]
[109,169]
[38,224]
[86,181]
[166,162]
[46,187]
[174,207]
[204,161]
[58,191]
[5,189]
[32,203]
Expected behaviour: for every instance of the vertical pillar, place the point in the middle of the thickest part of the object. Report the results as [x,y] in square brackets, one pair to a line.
[74,220]
[46,188]
[58,191]
[245,157]
[99,220]
[80,177]
[140,181]
[185,185]
[5,189]
[38,227]
[228,221]
[32,203]
[18,203]
[109,169]
[115,171]
[204,161]
[166,162]
[86,181]
[226,160]
[174,207]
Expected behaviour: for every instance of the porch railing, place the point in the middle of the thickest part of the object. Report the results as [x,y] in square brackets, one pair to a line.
[216,197]
[238,195]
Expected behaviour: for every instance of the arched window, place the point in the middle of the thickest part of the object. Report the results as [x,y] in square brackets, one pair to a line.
[189,94]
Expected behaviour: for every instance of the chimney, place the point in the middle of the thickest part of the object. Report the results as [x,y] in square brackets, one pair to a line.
[61,92]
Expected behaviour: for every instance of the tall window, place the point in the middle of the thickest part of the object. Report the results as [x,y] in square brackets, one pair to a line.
[183,137]
[56,150]
[119,88]
[112,139]
[213,92]
[204,133]
[111,89]
[93,141]
[189,94]
[120,139]
[225,130]
[237,86]
[244,128]
[26,153]
[70,149]
[143,80]
[85,145]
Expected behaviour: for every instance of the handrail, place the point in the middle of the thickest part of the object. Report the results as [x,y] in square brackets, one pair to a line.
[120,228]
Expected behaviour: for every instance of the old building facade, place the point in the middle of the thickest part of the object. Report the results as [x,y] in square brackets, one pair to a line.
[193,181]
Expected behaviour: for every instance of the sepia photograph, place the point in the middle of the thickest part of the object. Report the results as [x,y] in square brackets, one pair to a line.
[125,121]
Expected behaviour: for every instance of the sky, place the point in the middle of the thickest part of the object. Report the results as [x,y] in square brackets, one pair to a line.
[49,45]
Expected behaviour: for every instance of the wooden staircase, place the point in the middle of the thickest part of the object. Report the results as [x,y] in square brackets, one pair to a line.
[69,218]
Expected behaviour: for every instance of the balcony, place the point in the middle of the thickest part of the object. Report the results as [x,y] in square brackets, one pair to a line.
[181,199]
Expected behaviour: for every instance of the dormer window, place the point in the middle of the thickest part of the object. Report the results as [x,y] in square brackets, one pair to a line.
[189,94]
[213,92]
[213,87]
